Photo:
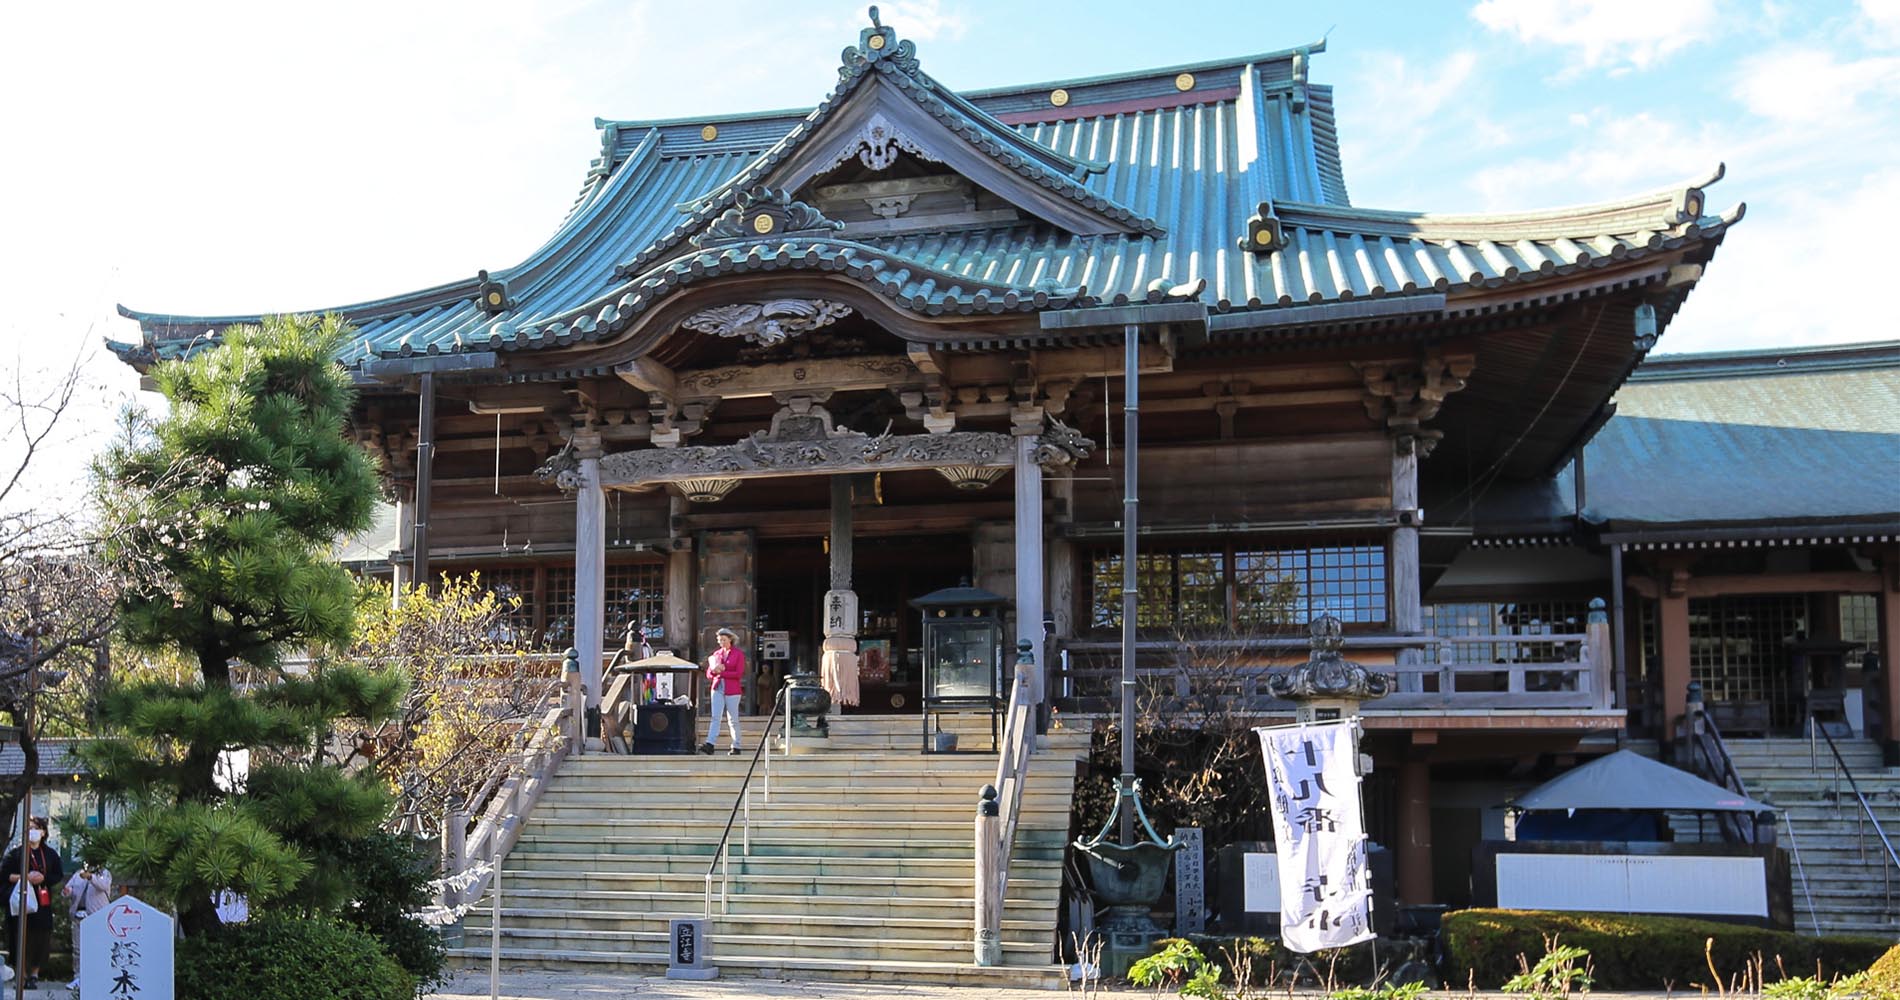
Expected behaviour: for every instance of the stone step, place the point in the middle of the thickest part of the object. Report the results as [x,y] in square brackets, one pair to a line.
[537,838]
[634,888]
[808,865]
[951,924]
[1043,813]
[844,829]
[723,945]
[1032,973]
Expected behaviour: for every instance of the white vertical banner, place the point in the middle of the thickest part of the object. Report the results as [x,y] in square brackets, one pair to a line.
[1320,835]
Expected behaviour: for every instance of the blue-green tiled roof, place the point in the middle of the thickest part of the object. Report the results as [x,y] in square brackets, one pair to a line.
[1173,174]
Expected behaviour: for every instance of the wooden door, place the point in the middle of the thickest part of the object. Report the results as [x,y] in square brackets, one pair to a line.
[728,596]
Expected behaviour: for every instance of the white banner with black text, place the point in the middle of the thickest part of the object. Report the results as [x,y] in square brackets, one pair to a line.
[1320,835]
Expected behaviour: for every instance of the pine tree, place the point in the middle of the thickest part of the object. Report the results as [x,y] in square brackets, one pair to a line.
[236,494]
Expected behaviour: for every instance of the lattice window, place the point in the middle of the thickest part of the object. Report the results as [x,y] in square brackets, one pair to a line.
[558,632]
[636,595]
[1860,622]
[1154,587]
[513,588]
[1201,589]
[1738,650]
[1291,586]
[1527,618]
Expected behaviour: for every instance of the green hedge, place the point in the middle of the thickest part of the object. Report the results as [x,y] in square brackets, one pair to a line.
[1635,952]
[289,959]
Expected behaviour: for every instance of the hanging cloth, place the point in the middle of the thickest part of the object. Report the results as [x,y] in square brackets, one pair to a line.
[838,675]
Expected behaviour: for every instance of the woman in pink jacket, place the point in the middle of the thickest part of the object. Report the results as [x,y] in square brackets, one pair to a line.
[725,678]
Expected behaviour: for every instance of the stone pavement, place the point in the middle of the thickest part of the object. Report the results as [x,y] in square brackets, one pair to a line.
[539,985]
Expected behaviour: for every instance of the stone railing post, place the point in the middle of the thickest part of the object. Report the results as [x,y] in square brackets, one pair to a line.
[989,897]
[454,850]
[1597,650]
[576,702]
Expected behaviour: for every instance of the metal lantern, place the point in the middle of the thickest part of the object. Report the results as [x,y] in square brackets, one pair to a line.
[963,655]
[707,490]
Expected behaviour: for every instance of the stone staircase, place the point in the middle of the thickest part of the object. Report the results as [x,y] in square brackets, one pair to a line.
[860,867]
[1854,886]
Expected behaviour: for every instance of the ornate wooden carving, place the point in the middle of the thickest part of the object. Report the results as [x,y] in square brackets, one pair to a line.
[1403,395]
[804,441]
[773,321]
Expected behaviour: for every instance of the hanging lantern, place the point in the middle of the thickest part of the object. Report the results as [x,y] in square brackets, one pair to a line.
[971,477]
[706,490]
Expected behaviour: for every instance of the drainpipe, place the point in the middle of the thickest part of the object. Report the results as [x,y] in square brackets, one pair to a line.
[425,469]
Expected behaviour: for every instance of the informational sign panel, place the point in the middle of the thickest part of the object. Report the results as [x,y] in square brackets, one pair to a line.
[1190,882]
[125,950]
[1319,834]
[1260,883]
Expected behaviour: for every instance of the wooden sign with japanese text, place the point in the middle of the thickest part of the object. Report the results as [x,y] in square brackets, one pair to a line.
[125,950]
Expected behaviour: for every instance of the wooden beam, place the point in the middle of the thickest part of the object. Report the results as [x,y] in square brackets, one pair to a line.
[1256,400]
[649,375]
[1846,582]
[837,374]
[916,519]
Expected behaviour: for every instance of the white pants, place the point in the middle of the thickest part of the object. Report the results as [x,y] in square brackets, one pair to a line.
[726,705]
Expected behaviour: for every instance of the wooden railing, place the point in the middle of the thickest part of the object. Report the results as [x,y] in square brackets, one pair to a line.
[1000,808]
[1549,671]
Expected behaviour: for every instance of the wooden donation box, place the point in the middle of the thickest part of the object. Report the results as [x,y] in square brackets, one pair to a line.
[664,695]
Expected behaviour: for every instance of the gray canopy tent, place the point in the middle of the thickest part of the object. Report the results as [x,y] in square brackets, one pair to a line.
[1618,796]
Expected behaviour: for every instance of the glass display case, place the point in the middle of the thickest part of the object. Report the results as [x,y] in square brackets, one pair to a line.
[962,659]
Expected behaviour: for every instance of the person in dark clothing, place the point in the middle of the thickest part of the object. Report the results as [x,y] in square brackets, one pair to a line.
[44,871]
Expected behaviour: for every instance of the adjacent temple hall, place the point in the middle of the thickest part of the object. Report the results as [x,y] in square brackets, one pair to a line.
[875,348]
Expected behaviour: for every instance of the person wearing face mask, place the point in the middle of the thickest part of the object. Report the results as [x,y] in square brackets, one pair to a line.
[43,872]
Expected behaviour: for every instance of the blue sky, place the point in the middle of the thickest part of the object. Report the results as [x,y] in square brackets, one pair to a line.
[212,157]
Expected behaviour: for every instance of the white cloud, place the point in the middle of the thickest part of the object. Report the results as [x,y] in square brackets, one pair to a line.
[1614,34]
[1395,106]
[1881,21]
[1607,156]
[1812,84]
[1786,274]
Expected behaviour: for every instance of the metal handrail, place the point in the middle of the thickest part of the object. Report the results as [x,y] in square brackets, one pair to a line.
[1709,759]
[1815,726]
[743,801]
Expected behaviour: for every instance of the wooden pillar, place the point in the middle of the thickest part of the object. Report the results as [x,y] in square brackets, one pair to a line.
[1672,644]
[841,533]
[1887,616]
[1408,617]
[1415,827]
[590,566]
[400,572]
[1029,565]
[679,586]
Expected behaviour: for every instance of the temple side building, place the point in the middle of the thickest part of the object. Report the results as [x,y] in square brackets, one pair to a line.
[877,346]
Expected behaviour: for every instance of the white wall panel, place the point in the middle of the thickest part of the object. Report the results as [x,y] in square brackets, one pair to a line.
[1621,883]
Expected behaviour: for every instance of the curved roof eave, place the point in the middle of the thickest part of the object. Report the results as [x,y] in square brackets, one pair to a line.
[1658,210]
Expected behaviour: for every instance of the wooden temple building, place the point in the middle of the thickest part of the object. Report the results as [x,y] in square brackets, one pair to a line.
[876,346]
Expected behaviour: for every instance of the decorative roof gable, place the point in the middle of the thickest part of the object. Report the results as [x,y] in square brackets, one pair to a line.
[884,105]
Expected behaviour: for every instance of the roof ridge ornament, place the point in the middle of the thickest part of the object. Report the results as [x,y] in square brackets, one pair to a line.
[762,212]
[1265,233]
[879,44]
[491,294]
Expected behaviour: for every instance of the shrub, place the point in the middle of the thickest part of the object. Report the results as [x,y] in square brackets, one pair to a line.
[392,876]
[1639,952]
[289,959]
[1251,961]
[1884,974]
